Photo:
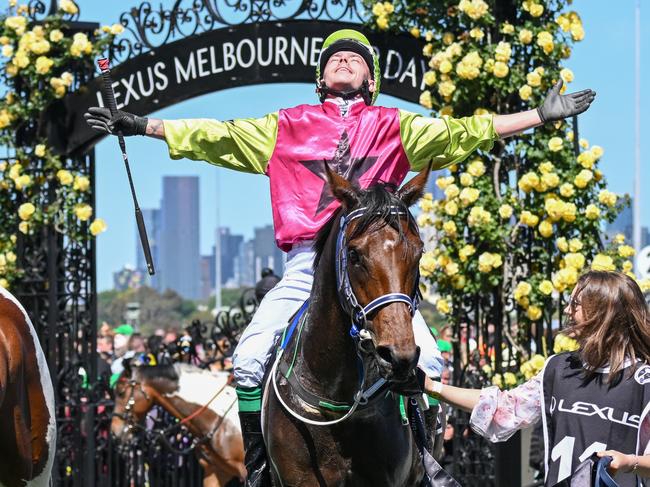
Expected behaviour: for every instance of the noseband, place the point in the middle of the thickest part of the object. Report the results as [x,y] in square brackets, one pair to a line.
[349,302]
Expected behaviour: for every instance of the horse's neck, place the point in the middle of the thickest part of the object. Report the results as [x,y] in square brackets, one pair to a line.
[328,355]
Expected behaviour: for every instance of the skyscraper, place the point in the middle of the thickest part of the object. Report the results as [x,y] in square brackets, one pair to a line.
[267,253]
[230,248]
[179,230]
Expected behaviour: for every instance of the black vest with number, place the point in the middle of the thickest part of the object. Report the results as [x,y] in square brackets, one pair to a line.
[582,416]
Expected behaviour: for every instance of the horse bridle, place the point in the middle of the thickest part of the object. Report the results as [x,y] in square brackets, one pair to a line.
[359,320]
[349,302]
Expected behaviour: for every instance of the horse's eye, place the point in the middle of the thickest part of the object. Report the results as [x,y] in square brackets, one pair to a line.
[353,257]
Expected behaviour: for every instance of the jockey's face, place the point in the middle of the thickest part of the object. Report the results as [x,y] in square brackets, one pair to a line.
[345,71]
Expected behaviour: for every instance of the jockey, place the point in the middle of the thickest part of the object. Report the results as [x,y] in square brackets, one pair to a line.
[365,143]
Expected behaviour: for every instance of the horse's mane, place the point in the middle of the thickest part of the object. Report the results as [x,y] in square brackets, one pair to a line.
[155,372]
[379,201]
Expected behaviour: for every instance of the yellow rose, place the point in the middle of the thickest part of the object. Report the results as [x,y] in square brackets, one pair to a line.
[586,159]
[451,191]
[509,379]
[427,264]
[503,51]
[97,226]
[567,190]
[443,306]
[445,66]
[569,212]
[607,198]
[488,261]
[545,41]
[56,35]
[536,10]
[497,381]
[377,10]
[469,196]
[382,22]
[447,111]
[563,343]
[67,78]
[524,92]
[118,29]
[415,32]
[430,78]
[505,211]
[465,252]
[592,212]
[527,218]
[476,33]
[18,23]
[7,51]
[451,208]
[444,182]
[551,180]
[68,6]
[475,9]
[446,88]
[545,287]
[39,151]
[64,177]
[603,262]
[575,245]
[555,144]
[476,168]
[466,179]
[522,290]
[575,260]
[545,228]
[562,244]
[83,211]
[534,79]
[626,251]
[507,28]
[546,167]
[82,183]
[567,75]
[23,181]
[23,227]
[619,238]
[425,99]
[534,312]
[577,32]
[597,151]
[478,216]
[26,210]
[501,69]
[525,36]
[449,228]
[583,178]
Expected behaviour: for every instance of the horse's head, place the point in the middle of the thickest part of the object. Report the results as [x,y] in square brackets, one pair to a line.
[133,399]
[378,255]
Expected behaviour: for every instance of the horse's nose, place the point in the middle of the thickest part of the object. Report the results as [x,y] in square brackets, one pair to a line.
[401,359]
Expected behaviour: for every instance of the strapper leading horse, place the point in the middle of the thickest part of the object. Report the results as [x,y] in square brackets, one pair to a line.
[331,412]
[27,414]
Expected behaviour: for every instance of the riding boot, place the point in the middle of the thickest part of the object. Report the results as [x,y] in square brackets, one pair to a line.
[256,461]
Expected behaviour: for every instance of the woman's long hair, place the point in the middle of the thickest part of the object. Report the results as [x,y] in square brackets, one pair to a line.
[616,322]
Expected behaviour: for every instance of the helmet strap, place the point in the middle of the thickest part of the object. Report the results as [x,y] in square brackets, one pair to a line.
[364,90]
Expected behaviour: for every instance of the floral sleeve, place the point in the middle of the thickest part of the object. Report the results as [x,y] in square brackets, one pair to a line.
[499,414]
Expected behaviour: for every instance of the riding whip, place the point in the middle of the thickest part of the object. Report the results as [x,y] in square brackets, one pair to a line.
[109,97]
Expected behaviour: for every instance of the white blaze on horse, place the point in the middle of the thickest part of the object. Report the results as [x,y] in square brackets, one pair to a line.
[27,414]
[203,401]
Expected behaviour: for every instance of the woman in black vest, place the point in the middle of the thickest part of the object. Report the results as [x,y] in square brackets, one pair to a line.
[594,400]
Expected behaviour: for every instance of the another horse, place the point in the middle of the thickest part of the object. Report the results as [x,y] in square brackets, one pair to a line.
[203,401]
[27,414]
[366,275]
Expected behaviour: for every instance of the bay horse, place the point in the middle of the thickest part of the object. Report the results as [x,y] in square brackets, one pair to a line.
[203,401]
[330,417]
[27,414]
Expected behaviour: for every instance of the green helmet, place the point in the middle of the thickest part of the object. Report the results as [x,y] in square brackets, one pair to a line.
[349,40]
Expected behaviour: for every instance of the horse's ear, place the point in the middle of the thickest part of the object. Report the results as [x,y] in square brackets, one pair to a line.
[414,189]
[126,364]
[342,189]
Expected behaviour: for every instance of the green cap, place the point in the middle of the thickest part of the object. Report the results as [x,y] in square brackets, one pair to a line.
[350,40]
[444,346]
[124,329]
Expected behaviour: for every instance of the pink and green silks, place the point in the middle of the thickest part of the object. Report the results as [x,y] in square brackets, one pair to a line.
[370,144]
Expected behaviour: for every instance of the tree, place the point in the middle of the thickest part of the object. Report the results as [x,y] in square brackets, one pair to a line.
[520,220]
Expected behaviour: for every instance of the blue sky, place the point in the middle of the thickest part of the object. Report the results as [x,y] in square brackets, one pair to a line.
[604,61]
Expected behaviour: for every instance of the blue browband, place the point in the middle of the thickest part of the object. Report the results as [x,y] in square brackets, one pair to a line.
[347,297]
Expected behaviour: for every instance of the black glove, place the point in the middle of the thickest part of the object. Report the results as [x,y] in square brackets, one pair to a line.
[557,107]
[100,119]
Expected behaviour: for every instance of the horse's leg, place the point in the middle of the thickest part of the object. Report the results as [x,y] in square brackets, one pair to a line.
[210,477]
